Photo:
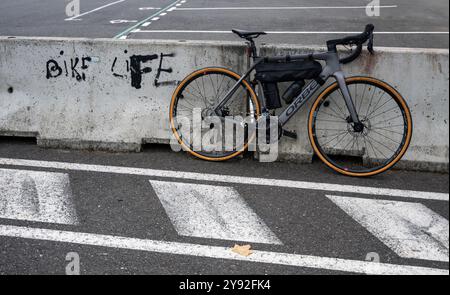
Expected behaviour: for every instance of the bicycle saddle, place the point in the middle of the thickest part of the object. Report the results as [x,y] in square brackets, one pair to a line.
[247,34]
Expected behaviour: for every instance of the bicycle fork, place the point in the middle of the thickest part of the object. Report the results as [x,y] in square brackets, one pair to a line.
[358,126]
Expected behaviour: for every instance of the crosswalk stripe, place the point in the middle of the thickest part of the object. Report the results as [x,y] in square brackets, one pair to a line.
[208,211]
[377,191]
[334,264]
[36,196]
[410,229]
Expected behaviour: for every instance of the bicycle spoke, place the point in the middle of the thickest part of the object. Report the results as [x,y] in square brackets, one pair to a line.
[329,129]
[382,144]
[334,121]
[370,102]
[351,140]
[334,134]
[200,92]
[184,101]
[214,88]
[333,116]
[387,130]
[199,97]
[365,88]
[385,136]
[376,109]
[384,112]
[341,139]
[378,101]
[338,107]
[334,138]
[375,153]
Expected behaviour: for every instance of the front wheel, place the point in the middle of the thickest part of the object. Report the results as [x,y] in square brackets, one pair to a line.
[376,147]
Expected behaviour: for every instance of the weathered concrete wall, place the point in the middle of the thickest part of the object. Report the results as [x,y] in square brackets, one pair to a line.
[420,75]
[84,93]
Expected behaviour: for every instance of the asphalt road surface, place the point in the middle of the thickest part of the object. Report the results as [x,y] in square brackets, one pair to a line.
[161,212]
[401,23]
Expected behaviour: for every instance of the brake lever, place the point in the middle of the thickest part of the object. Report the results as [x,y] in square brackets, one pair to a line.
[370,44]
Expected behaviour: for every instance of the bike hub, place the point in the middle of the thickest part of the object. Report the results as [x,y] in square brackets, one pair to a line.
[357,127]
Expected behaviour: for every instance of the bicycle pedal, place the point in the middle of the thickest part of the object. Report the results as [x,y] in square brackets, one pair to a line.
[290,134]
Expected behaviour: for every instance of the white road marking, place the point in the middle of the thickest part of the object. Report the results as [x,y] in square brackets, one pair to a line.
[214,212]
[155,18]
[123,37]
[175,248]
[221,178]
[410,229]
[36,196]
[121,21]
[172,9]
[297,32]
[127,31]
[149,8]
[146,24]
[94,10]
[284,8]
[163,14]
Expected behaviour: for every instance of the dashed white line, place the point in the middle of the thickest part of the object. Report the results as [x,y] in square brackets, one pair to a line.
[121,21]
[94,10]
[197,250]
[159,16]
[149,8]
[127,31]
[221,178]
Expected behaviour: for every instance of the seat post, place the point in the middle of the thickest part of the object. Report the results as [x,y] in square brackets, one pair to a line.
[252,47]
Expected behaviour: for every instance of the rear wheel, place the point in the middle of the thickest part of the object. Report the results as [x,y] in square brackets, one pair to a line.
[365,150]
[195,97]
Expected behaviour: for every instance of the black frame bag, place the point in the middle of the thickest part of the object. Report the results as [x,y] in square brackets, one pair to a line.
[269,74]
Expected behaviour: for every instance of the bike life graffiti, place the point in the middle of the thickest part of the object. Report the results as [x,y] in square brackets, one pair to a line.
[134,67]
[77,66]
[137,65]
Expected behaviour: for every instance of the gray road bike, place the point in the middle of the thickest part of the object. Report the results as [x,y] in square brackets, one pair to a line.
[358,126]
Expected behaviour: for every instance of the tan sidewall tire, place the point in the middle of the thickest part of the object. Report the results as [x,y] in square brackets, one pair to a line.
[378,83]
[172,105]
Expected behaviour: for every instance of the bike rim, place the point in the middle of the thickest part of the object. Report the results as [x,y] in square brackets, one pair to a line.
[197,84]
[386,134]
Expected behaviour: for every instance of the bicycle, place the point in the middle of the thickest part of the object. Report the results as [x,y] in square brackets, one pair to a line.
[358,126]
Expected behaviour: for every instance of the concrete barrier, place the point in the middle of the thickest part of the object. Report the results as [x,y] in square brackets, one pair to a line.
[115,95]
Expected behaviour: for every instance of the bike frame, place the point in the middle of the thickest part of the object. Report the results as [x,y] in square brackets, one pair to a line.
[331,69]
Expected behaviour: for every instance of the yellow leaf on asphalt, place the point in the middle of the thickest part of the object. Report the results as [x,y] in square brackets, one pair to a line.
[244,250]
